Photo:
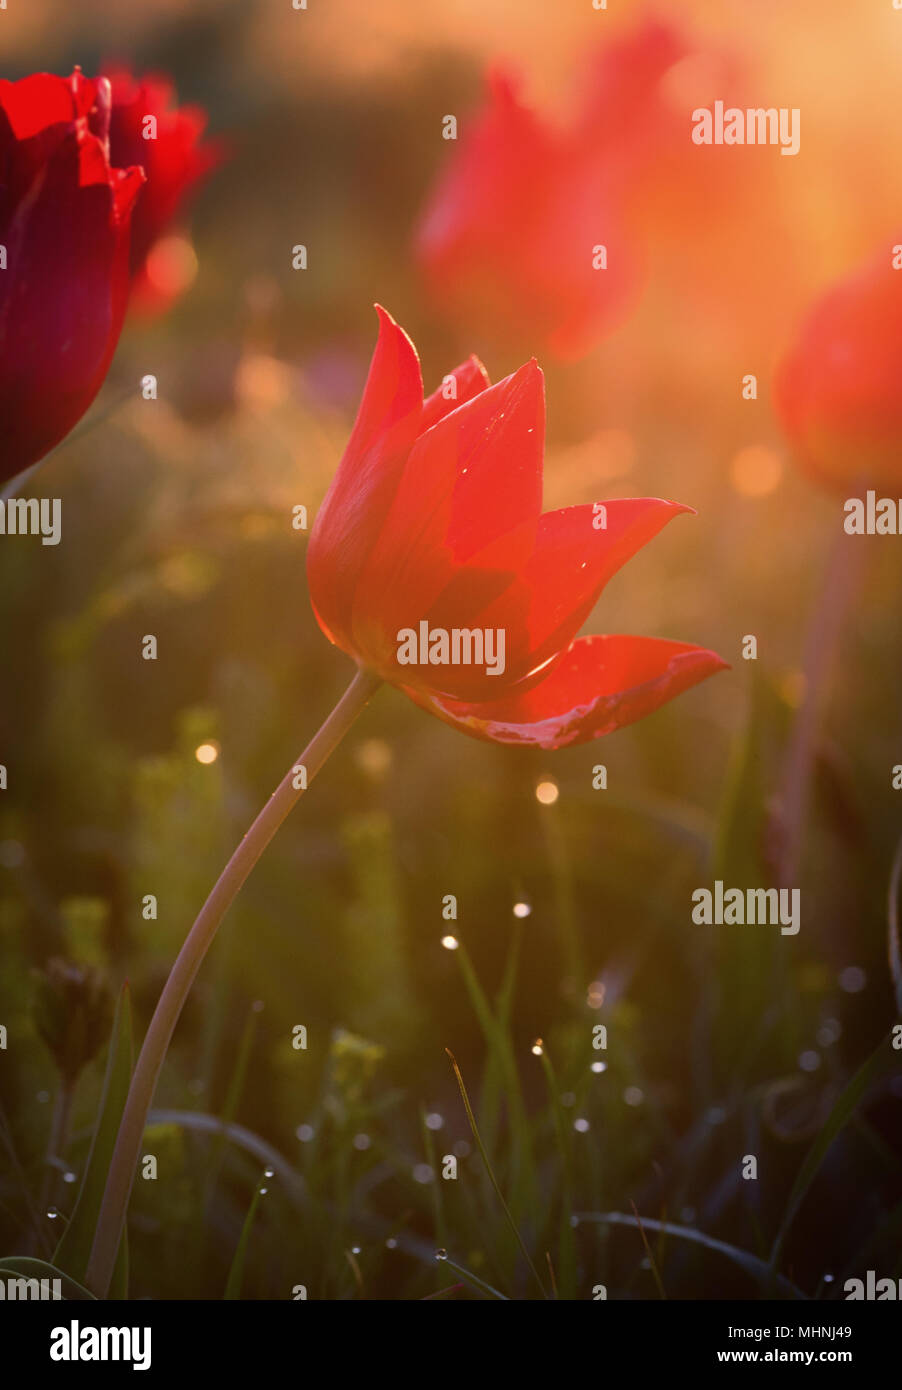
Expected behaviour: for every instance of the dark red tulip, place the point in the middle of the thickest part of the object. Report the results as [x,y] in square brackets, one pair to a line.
[838,389]
[434,523]
[64,226]
[176,161]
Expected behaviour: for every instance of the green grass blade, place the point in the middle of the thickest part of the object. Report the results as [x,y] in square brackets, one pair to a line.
[74,1248]
[473,1280]
[497,1037]
[494,1181]
[755,1268]
[236,1272]
[25,1267]
[842,1112]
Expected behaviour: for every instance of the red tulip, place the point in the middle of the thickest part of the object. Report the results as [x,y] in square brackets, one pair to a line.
[175,161]
[434,518]
[838,389]
[64,224]
[508,238]
[509,234]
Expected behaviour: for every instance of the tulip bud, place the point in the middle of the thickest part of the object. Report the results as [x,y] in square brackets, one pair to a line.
[72,1010]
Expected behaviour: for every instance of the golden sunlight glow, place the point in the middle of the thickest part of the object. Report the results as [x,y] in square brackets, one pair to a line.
[756,471]
[547,793]
[207,752]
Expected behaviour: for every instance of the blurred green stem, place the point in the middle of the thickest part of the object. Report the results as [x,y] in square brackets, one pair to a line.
[175,991]
[837,591]
[57,1141]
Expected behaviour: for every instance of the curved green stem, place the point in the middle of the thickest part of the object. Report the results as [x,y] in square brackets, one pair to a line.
[140,1096]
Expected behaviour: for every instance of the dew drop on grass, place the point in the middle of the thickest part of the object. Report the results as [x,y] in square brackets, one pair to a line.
[538,1048]
[441,1254]
[268,1173]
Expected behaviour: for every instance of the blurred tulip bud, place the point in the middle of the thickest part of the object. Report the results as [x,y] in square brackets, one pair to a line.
[72,1010]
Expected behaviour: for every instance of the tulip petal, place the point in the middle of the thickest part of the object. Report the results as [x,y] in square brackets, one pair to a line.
[542,606]
[572,562]
[62,298]
[473,481]
[600,684]
[353,511]
[470,378]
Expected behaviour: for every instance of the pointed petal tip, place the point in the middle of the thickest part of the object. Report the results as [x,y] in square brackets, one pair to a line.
[712,660]
[389,324]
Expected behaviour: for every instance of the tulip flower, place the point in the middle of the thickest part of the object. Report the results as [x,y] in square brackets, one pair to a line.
[524,233]
[434,518]
[65,210]
[538,229]
[147,127]
[837,389]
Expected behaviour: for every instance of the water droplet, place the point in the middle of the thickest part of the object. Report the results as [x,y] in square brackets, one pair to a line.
[355,1249]
[441,1254]
[581,1125]
[599,1066]
[828,1278]
[70,1177]
[263,1191]
[52,1213]
[537,1047]
[391,1243]
[522,909]
[450,943]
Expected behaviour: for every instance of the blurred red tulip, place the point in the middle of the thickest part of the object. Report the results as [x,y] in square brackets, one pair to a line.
[838,389]
[510,234]
[64,227]
[176,161]
[434,518]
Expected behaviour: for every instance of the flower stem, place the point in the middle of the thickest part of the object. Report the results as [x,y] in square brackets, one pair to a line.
[140,1096]
[840,583]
